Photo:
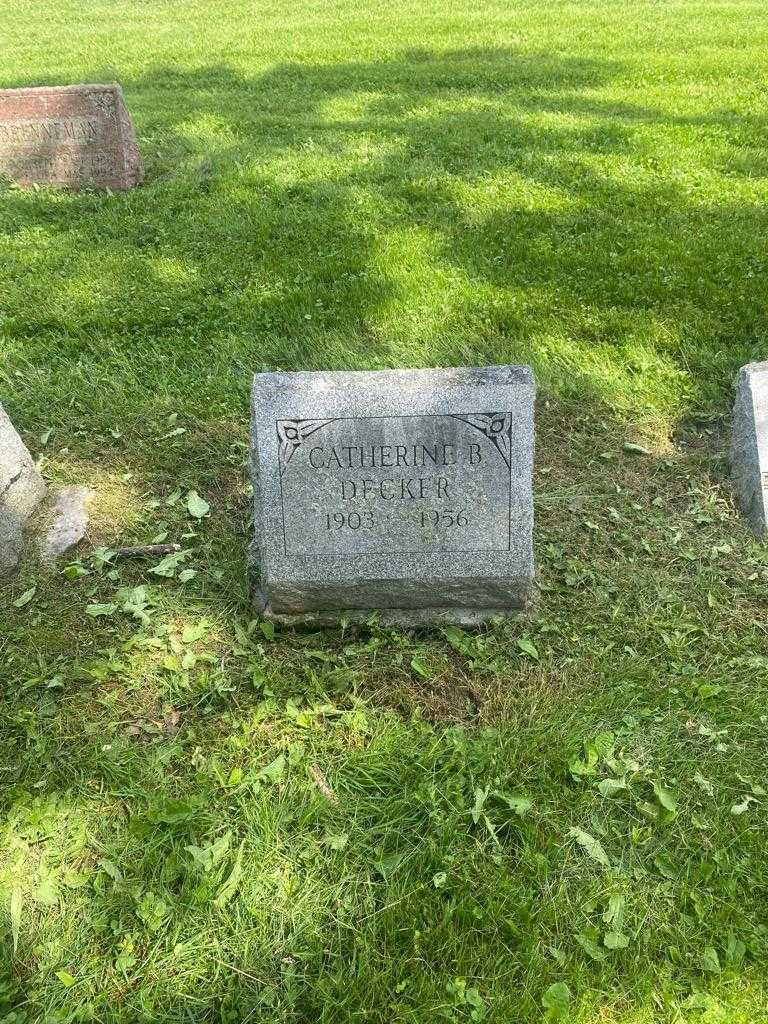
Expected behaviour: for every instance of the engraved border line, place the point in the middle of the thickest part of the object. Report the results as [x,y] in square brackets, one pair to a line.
[405,416]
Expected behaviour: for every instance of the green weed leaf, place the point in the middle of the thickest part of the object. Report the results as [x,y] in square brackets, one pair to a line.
[337,841]
[168,566]
[615,912]
[705,784]
[25,598]
[598,749]
[232,884]
[520,805]
[210,856]
[47,892]
[665,797]
[135,601]
[755,788]
[420,668]
[458,639]
[742,806]
[275,770]
[590,947]
[710,961]
[556,1000]
[16,907]
[610,787]
[481,795]
[527,647]
[191,634]
[111,869]
[100,611]
[153,911]
[593,847]
[197,507]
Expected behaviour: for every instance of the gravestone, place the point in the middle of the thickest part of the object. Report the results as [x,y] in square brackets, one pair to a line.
[21,491]
[74,136]
[406,492]
[749,445]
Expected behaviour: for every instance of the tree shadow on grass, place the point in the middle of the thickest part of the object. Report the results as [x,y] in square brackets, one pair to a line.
[470,206]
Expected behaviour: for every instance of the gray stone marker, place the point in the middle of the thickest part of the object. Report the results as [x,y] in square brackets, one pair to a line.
[403,491]
[69,522]
[21,491]
[72,136]
[749,445]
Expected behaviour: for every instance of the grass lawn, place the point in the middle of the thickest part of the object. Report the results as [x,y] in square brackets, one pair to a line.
[204,819]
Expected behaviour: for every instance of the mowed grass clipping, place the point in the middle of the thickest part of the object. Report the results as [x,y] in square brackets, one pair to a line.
[206,819]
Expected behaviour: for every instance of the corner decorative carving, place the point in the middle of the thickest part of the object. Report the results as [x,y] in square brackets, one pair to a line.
[497,427]
[107,103]
[291,434]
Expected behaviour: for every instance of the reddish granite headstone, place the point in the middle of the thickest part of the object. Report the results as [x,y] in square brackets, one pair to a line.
[75,136]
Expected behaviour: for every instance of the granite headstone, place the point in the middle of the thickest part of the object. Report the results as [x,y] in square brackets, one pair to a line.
[407,492]
[73,136]
[21,491]
[749,445]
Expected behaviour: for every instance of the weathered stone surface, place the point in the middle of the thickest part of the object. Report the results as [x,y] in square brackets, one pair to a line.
[403,491]
[749,445]
[74,136]
[21,491]
[69,523]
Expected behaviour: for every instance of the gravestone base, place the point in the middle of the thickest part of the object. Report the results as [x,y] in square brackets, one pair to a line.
[400,618]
